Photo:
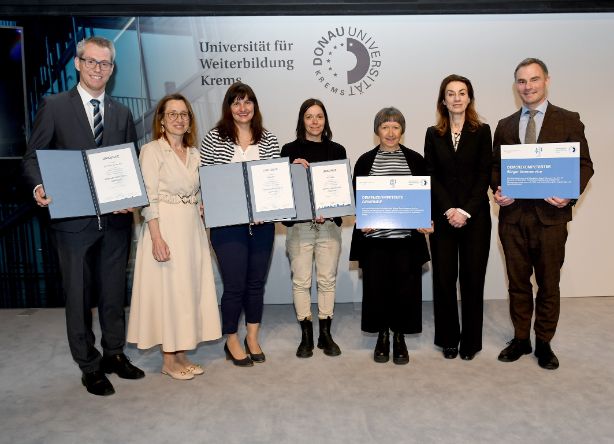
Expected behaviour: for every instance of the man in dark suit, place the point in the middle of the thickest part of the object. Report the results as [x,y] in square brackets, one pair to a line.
[92,252]
[533,232]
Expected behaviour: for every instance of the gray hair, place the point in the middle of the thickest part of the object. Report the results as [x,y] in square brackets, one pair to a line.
[98,41]
[531,61]
[389,114]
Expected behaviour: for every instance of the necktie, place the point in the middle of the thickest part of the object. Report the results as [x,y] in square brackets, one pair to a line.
[530,136]
[97,122]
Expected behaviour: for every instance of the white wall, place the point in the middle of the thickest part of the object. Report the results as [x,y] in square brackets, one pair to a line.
[416,53]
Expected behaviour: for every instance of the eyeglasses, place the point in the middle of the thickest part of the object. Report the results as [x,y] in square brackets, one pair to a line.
[91,64]
[172,116]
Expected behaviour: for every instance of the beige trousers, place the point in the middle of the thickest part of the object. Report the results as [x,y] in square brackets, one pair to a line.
[306,242]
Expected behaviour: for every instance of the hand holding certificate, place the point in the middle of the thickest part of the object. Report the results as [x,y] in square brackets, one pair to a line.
[322,190]
[246,192]
[113,174]
[331,185]
[541,171]
[92,182]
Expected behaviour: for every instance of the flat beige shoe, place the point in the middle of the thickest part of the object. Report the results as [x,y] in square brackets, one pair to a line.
[182,375]
[195,369]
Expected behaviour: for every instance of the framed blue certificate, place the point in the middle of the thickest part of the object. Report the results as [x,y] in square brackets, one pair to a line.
[393,202]
[538,171]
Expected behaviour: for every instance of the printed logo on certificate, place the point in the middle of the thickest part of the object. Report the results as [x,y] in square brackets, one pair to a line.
[393,202]
[538,171]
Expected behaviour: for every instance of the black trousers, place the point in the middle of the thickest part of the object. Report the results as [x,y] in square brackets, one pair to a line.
[391,287]
[460,254]
[93,267]
[244,261]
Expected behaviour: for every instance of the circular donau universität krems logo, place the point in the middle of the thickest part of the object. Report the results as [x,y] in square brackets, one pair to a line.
[346,61]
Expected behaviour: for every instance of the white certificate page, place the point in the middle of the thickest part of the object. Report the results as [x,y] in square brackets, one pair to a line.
[331,187]
[272,186]
[114,175]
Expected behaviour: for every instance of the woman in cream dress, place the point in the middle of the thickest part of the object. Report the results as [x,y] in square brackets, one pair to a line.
[174,302]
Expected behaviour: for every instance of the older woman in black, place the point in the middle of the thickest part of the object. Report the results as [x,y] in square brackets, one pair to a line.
[391,260]
[458,153]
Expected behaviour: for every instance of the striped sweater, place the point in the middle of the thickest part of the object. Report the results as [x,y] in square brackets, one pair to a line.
[215,150]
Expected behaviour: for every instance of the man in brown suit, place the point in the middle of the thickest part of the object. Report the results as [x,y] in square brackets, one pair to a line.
[533,232]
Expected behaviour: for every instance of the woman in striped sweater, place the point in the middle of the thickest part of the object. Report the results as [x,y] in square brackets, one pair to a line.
[243,252]
[391,260]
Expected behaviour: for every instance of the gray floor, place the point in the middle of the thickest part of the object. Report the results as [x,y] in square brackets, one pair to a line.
[319,400]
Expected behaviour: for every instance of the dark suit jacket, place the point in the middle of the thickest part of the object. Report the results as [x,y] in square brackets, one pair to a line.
[559,125]
[419,249]
[61,123]
[459,179]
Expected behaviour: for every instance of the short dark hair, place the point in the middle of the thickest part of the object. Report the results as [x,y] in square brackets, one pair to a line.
[226,126]
[389,114]
[531,61]
[327,134]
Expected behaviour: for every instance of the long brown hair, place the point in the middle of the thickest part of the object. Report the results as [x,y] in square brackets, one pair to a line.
[226,126]
[472,119]
[189,138]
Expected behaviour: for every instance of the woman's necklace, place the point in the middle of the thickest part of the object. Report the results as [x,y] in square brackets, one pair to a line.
[456,139]
[456,135]
[182,153]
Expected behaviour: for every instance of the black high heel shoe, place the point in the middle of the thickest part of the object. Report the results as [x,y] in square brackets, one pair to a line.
[256,357]
[245,362]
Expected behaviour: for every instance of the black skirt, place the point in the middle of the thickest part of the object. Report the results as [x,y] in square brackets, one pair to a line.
[391,286]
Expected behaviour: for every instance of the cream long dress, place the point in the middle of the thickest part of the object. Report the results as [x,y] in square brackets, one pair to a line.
[174,303]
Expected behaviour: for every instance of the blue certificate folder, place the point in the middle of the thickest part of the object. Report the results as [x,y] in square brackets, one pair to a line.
[538,171]
[393,202]
[305,193]
[229,197]
[69,180]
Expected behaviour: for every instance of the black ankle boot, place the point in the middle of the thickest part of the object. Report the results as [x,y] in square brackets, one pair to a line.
[399,349]
[305,348]
[382,347]
[325,341]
